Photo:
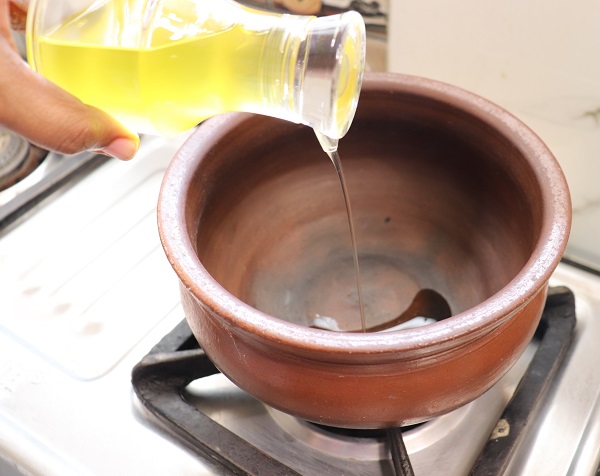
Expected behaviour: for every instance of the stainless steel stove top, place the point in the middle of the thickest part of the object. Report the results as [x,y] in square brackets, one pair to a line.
[87,292]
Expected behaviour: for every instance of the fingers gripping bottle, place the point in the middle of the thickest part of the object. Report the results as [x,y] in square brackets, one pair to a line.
[162,66]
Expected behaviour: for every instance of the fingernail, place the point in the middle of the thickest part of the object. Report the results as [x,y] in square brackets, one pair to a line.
[122,148]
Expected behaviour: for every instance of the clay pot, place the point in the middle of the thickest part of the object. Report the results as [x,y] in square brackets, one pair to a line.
[450,193]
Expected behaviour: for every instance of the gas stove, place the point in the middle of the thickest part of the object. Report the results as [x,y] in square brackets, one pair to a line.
[181,390]
[95,355]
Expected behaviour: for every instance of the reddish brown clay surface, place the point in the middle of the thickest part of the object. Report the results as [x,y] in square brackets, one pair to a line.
[450,193]
[18,14]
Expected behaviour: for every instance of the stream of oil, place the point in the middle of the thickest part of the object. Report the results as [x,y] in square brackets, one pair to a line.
[330,146]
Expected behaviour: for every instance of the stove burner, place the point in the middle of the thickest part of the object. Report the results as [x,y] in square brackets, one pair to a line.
[556,327]
[57,172]
[161,377]
[18,158]
[13,150]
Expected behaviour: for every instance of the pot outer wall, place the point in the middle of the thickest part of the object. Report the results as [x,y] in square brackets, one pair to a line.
[411,389]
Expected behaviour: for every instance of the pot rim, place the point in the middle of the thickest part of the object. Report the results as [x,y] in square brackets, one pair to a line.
[464,326]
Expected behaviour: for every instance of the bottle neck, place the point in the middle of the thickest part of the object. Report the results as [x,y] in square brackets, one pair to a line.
[318,65]
[281,68]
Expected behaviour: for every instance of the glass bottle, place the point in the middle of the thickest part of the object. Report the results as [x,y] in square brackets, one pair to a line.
[162,66]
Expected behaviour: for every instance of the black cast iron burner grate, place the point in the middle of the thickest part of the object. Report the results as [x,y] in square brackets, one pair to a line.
[160,378]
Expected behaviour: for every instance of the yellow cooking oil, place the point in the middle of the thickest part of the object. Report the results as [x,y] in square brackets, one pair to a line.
[169,74]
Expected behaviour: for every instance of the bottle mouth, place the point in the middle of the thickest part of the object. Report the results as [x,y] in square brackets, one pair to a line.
[332,60]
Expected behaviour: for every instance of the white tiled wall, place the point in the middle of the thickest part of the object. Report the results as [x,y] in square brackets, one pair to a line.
[539,59]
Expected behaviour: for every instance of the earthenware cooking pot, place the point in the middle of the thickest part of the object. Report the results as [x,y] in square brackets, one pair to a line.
[451,194]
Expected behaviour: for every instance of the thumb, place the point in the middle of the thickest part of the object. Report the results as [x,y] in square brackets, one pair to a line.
[48,116]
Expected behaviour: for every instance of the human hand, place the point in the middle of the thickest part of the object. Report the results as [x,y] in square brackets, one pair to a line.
[301,7]
[45,114]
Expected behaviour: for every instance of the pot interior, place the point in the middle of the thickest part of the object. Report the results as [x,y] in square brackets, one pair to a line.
[442,201]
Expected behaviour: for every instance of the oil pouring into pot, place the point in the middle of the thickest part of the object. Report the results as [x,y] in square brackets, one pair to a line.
[453,194]
[427,307]
[330,146]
